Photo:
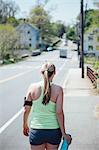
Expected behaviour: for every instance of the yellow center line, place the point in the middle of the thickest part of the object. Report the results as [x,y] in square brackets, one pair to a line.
[17,75]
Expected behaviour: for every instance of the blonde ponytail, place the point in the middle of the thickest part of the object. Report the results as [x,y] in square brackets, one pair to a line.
[47,70]
[47,89]
[46,82]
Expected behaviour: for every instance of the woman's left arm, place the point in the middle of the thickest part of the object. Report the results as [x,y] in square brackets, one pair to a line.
[27,108]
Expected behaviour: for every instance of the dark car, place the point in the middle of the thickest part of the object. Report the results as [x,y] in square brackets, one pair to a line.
[75,41]
[36,53]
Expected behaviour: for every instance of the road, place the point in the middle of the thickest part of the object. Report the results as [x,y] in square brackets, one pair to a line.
[14,81]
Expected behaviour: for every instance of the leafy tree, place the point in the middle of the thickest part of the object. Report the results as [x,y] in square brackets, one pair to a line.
[71,33]
[7,9]
[43,2]
[8,40]
[53,29]
[41,19]
[91,18]
[13,21]
[57,28]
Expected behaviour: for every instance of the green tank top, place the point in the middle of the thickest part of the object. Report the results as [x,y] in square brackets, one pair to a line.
[43,116]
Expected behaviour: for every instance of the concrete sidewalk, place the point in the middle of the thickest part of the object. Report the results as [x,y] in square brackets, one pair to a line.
[79,107]
[77,86]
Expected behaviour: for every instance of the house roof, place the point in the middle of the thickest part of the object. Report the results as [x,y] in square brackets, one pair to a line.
[29,25]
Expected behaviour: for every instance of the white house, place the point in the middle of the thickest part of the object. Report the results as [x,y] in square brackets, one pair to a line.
[28,36]
[91,42]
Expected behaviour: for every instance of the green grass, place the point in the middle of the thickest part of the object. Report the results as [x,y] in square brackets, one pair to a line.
[92,61]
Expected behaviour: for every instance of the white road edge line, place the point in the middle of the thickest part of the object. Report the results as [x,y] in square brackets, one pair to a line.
[19,112]
[60,69]
[66,79]
[11,120]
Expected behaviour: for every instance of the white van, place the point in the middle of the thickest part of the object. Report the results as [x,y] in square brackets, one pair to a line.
[63,53]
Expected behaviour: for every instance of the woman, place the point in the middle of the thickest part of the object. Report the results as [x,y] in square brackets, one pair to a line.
[45,100]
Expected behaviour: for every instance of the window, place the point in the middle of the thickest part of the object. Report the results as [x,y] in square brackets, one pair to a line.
[90,38]
[30,45]
[30,39]
[28,32]
[90,48]
[37,37]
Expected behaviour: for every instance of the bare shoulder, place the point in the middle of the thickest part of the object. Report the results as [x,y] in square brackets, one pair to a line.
[58,87]
[34,90]
[33,86]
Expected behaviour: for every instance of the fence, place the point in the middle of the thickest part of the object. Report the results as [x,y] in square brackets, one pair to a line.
[94,77]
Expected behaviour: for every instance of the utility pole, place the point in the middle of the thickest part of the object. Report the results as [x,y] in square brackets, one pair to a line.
[82,40]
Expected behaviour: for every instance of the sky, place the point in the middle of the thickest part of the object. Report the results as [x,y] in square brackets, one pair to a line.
[64,10]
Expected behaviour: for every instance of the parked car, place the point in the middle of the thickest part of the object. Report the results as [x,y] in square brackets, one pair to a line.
[24,55]
[36,52]
[50,48]
[75,41]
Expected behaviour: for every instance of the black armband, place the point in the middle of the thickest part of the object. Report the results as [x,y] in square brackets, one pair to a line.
[28,103]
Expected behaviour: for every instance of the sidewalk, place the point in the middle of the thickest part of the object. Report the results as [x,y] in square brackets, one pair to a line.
[79,106]
[77,86]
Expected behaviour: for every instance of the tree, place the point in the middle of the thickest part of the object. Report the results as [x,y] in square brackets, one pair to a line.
[8,40]
[61,29]
[91,18]
[43,2]
[57,28]
[12,8]
[7,9]
[40,18]
[71,33]
[13,21]
[2,11]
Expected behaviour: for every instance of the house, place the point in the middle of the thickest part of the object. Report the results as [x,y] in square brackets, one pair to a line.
[91,42]
[28,36]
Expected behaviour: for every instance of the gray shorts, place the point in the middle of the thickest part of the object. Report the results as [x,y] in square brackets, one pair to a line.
[41,136]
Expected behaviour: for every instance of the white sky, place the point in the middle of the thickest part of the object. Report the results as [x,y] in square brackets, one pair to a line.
[65,10]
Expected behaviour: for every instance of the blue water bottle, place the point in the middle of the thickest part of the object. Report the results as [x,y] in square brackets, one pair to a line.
[64,145]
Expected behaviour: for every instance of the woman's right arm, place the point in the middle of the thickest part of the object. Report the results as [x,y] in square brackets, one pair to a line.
[60,115]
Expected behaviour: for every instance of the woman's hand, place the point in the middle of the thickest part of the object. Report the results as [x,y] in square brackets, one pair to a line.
[25,130]
[68,138]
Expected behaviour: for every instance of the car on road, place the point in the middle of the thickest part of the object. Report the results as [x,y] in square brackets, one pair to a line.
[50,48]
[63,53]
[36,53]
